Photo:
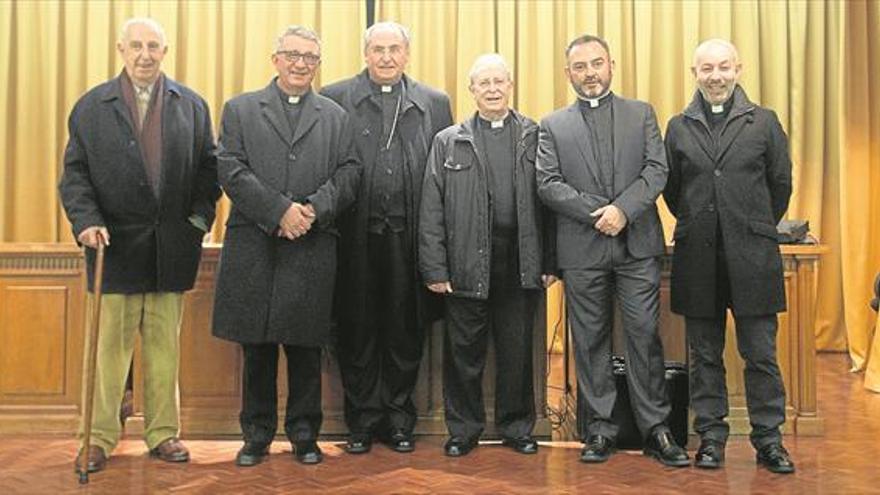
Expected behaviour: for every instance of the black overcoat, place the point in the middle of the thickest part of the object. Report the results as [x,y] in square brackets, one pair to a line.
[743,184]
[154,247]
[424,113]
[270,289]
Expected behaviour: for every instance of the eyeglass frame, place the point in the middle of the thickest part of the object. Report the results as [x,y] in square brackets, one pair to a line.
[292,56]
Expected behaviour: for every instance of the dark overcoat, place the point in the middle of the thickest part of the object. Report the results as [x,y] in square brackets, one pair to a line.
[743,184]
[455,229]
[270,289]
[154,247]
[424,112]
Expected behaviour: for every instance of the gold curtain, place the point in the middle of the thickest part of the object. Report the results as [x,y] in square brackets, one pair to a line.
[53,51]
[814,62]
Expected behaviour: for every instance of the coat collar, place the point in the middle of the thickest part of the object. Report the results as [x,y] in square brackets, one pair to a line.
[112,94]
[466,130]
[273,110]
[579,127]
[412,92]
[742,106]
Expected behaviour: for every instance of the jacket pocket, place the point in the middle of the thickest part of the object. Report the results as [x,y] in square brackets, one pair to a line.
[763,229]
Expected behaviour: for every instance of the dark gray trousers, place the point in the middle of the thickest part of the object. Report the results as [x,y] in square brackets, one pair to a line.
[588,295]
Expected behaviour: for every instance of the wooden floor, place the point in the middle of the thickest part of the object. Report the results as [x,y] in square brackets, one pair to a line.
[845,460]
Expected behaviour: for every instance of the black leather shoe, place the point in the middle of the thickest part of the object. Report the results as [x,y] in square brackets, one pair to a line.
[710,455]
[251,454]
[359,443]
[598,448]
[661,446]
[307,452]
[775,458]
[401,441]
[458,446]
[523,445]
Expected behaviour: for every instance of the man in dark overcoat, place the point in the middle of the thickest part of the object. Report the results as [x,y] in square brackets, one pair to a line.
[729,185]
[140,177]
[484,243]
[287,162]
[383,308]
[601,168]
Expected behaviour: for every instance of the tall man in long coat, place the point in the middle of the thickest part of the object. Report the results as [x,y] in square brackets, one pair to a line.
[287,162]
[485,244]
[601,168]
[140,177]
[729,185]
[382,306]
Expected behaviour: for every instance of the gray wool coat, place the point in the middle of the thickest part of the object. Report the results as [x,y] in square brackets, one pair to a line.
[270,289]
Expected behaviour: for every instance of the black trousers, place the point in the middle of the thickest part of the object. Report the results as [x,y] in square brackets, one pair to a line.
[756,342]
[588,293]
[509,315]
[259,411]
[380,358]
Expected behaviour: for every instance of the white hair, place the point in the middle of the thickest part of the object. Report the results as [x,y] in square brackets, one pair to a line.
[383,26]
[716,42]
[143,21]
[486,61]
[298,31]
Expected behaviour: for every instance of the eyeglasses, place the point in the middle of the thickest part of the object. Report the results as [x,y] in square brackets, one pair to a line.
[309,59]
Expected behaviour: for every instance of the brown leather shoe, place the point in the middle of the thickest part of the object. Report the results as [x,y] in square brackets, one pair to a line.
[97,459]
[171,450]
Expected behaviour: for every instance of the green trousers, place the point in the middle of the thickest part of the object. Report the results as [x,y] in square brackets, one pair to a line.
[156,316]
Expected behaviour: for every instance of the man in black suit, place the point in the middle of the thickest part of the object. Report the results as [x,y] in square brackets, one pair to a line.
[729,185]
[600,167]
[382,307]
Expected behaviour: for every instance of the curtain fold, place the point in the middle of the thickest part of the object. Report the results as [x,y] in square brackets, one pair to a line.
[814,62]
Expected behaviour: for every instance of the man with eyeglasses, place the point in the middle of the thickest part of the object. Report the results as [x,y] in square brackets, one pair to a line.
[140,177]
[601,166]
[287,162]
[382,307]
[485,244]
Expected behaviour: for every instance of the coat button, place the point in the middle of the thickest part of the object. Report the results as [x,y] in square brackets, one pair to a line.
[292,157]
[365,132]
[717,173]
[710,207]
[131,142]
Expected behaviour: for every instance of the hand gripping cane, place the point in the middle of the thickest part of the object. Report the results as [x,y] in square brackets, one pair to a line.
[91,358]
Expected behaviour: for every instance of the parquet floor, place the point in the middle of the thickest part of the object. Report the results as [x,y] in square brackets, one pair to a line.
[846,460]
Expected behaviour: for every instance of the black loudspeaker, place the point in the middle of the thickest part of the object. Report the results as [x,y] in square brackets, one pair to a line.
[629,437]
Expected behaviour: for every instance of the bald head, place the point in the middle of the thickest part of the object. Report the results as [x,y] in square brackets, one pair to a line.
[716,70]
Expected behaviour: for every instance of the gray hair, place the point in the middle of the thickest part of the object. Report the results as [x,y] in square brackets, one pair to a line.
[489,60]
[386,25]
[298,31]
[143,21]
[713,43]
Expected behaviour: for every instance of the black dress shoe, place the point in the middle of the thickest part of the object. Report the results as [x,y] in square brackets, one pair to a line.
[359,443]
[775,458]
[523,445]
[710,455]
[458,446]
[401,441]
[251,454]
[307,452]
[598,448]
[661,446]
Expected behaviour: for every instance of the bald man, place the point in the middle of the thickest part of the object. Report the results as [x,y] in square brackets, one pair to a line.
[729,185]
[140,177]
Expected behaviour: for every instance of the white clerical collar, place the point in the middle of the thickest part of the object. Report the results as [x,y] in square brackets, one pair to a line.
[595,102]
[496,124]
[293,99]
[718,108]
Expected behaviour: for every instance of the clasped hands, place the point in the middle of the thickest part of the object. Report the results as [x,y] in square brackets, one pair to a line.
[297,221]
[611,220]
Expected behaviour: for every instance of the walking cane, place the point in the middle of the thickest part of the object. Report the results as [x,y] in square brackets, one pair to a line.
[91,358]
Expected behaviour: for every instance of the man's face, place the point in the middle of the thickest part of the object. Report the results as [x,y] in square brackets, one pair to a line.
[142,51]
[716,71]
[491,88]
[297,62]
[386,56]
[589,69]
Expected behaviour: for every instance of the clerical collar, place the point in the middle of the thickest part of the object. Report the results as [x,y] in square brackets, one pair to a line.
[493,124]
[386,88]
[290,99]
[716,109]
[594,102]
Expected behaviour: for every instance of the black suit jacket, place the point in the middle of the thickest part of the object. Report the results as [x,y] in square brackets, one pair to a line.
[569,181]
